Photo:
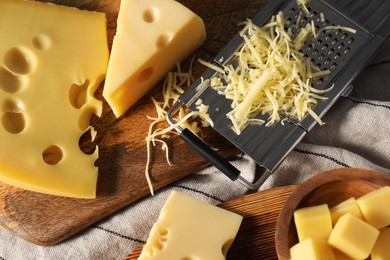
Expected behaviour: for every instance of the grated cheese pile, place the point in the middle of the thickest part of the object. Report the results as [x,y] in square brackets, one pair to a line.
[175,83]
[271,76]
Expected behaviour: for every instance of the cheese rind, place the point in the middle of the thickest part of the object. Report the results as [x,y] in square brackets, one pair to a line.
[313,222]
[46,49]
[188,228]
[152,36]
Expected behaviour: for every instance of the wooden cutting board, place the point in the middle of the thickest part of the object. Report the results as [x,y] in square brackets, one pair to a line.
[256,237]
[47,220]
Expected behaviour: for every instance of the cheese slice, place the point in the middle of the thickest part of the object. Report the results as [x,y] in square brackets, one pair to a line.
[152,36]
[52,59]
[191,229]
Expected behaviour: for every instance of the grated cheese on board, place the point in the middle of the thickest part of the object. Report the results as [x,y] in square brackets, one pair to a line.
[175,83]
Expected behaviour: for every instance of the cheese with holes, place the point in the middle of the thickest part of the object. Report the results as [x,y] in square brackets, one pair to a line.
[191,229]
[152,36]
[52,59]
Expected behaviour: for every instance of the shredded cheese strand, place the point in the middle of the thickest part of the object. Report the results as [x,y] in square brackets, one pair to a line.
[175,83]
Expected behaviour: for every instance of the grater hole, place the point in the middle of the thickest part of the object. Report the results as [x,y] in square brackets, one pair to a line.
[344,36]
[320,81]
[341,45]
[333,66]
[348,49]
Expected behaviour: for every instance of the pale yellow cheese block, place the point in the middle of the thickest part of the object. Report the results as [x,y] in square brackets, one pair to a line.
[313,249]
[313,222]
[191,229]
[347,206]
[353,236]
[375,207]
[52,59]
[152,36]
[381,250]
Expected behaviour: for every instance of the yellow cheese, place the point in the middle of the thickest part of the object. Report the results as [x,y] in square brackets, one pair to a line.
[340,255]
[152,36]
[313,249]
[375,207]
[347,206]
[313,222]
[52,59]
[191,229]
[381,250]
[353,237]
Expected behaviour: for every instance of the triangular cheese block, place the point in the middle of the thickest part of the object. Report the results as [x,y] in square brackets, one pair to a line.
[52,59]
[152,36]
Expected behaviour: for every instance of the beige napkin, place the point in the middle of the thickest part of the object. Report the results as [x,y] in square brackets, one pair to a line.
[356,134]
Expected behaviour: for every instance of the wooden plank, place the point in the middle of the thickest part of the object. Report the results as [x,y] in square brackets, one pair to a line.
[256,237]
[47,220]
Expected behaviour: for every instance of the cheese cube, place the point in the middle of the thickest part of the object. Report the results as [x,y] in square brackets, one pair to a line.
[191,229]
[381,250]
[347,206]
[313,249]
[375,207]
[152,36]
[353,237]
[313,222]
[52,60]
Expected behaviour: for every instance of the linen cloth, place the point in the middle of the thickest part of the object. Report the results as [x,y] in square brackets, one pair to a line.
[356,134]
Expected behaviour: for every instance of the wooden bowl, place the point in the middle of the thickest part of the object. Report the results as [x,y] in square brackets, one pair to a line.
[331,187]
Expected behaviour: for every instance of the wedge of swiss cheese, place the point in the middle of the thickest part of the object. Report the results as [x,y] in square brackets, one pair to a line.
[152,36]
[52,59]
[188,228]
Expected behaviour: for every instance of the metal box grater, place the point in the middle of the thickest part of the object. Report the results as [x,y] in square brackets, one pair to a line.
[343,53]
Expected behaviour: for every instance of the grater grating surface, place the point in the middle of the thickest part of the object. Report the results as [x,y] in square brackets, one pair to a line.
[341,52]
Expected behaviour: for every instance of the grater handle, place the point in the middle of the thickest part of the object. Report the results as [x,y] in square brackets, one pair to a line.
[209,154]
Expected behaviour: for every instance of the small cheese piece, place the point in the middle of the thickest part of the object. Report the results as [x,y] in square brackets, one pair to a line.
[375,207]
[313,222]
[191,229]
[381,250]
[152,36]
[52,59]
[353,237]
[347,206]
[313,249]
